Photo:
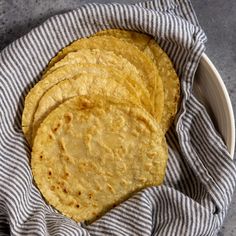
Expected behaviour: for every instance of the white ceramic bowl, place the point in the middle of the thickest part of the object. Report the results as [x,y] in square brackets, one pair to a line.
[209,88]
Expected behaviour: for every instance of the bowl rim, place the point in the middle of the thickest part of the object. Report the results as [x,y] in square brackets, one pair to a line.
[218,78]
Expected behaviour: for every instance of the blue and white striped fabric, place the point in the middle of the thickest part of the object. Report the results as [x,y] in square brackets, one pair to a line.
[200,175]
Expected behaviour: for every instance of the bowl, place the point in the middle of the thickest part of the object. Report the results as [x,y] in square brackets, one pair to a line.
[210,90]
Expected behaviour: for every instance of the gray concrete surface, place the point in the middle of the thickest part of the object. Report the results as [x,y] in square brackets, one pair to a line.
[217,18]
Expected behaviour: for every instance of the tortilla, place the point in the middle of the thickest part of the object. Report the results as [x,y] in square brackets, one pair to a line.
[145,66]
[86,84]
[138,39]
[91,153]
[164,65]
[69,71]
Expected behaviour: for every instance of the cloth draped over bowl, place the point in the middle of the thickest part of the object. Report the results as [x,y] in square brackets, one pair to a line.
[200,174]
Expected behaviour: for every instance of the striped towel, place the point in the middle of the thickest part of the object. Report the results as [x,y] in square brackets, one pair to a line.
[200,175]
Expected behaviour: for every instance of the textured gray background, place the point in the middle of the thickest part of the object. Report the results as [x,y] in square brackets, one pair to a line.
[217,18]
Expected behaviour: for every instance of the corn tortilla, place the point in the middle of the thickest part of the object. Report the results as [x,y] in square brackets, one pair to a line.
[92,153]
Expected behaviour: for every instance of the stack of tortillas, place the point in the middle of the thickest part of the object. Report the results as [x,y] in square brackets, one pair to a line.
[97,122]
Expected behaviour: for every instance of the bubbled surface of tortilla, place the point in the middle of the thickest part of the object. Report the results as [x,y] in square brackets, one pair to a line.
[92,153]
